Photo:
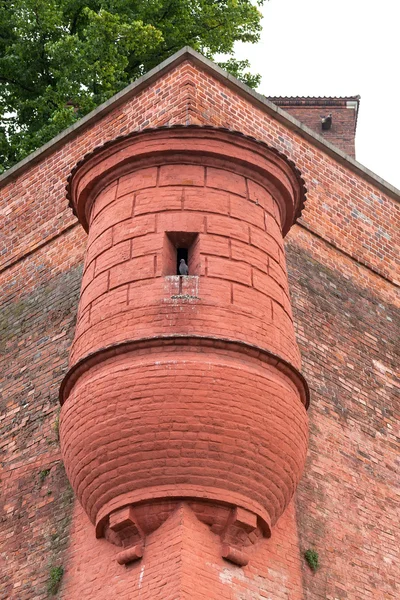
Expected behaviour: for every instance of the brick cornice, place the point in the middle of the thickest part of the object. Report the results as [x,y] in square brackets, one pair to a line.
[204,144]
[248,349]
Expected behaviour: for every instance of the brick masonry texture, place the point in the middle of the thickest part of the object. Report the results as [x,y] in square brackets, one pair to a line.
[338,199]
[352,471]
[185,563]
[341,260]
[36,500]
[309,112]
[251,458]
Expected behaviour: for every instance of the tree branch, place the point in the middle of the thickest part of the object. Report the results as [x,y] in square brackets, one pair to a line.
[72,29]
[17,83]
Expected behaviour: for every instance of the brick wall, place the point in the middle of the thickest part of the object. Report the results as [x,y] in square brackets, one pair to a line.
[341,261]
[185,563]
[309,111]
[36,500]
[348,497]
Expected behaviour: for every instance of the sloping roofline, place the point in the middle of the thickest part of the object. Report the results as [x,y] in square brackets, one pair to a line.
[187,53]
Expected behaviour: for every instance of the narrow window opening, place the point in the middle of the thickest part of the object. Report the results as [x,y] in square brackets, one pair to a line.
[181,254]
[181,245]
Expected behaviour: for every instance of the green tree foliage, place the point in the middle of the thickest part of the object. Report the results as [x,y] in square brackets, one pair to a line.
[59,59]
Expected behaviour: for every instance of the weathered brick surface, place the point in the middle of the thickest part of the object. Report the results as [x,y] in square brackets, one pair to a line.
[182,560]
[348,500]
[121,388]
[338,199]
[345,314]
[35,506]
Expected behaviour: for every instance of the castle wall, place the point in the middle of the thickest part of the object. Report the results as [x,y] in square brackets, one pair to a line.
[341,258]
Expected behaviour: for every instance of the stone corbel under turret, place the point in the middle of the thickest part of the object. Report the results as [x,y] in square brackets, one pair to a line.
[238,529]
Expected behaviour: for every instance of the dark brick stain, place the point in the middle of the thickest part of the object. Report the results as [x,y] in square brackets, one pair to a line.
[36,332]
[350,476]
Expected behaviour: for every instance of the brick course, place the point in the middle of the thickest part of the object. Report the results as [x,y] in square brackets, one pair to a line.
[342,262]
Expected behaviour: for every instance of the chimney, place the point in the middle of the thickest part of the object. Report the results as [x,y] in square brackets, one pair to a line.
[334,119]
[184,394]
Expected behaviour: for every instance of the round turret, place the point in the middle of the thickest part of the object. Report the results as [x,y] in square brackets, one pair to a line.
[185,387]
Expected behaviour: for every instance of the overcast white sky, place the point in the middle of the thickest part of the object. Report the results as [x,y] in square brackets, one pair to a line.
[338,48]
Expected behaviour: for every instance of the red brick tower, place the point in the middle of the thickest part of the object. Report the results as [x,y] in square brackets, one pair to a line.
[184,393]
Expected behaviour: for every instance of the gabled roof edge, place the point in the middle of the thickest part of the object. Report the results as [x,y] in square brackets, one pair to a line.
[130,90]
[187,53]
